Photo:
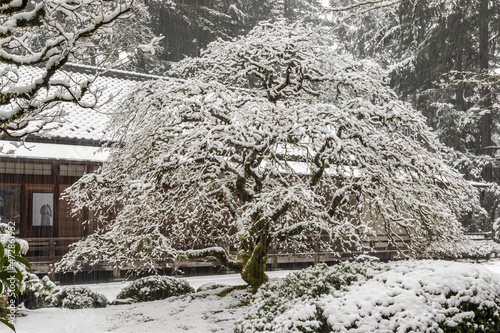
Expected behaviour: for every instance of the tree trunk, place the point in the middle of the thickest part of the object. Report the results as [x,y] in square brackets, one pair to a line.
[486,102]
[287,9]
[254,268]
[459,93]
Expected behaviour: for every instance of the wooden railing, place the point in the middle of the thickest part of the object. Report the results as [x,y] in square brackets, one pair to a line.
[48,250]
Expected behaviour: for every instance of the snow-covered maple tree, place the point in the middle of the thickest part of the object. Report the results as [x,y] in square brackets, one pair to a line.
[48,34]
[270,141]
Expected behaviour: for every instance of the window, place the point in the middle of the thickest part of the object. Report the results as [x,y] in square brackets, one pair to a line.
[43,213]
[74,170]
[10,205]
[20,168]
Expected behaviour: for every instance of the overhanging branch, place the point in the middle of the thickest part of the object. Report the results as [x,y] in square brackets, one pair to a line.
[218,253]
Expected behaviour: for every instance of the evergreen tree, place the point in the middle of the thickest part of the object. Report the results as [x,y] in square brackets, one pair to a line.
[293,9]
[439,53]
[188,26]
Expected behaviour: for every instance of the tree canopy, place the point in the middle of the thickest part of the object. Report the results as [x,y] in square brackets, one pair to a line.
[273,140]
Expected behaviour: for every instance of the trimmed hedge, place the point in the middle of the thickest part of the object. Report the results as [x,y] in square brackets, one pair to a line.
[77,298]
[156,287]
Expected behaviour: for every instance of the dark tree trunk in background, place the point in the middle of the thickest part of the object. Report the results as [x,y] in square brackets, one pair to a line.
[459,65]
[287,9]
[486,102]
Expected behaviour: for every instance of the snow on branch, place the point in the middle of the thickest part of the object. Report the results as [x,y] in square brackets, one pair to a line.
[216,252]
[251,152]
[64,29]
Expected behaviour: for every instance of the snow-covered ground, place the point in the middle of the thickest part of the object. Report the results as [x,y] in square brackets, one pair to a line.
[205,313]
[199,313]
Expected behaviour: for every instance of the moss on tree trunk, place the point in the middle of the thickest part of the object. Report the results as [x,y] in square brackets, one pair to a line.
[253,271]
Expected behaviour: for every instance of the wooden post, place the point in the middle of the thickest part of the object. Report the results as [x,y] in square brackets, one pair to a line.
[317,256]
[117,273]
[52,274]
[57,177]
[52,248]
[273,258]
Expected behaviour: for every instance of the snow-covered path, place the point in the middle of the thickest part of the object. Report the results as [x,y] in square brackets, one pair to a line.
[204,313]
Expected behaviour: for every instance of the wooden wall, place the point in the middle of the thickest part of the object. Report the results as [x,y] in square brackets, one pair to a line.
[42,182]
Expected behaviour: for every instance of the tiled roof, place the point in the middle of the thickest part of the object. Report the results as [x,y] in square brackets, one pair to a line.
[84,123]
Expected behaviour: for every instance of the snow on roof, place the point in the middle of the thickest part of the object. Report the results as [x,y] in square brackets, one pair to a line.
[80,123]
[49,151]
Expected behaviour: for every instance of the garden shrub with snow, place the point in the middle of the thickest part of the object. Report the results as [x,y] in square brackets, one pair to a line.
[36,291]
[155,287]
[468,248]
[77,298]
[406,296]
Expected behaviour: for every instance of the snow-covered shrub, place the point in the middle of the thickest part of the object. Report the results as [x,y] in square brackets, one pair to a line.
[465,248]
[77,298]
[36,291]
[155,287]
[410,296]
[482,248]
[13,271]
[43,286]
[496,229]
